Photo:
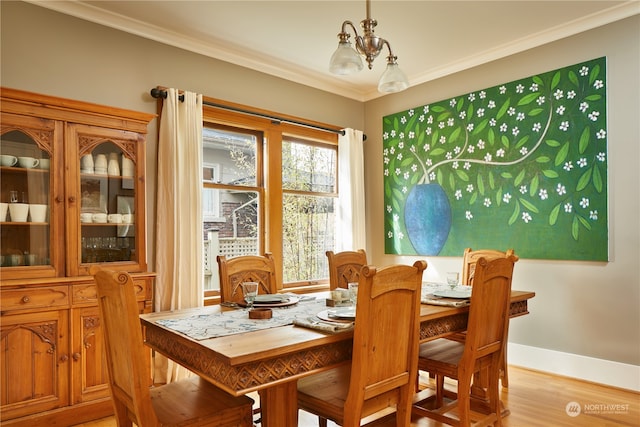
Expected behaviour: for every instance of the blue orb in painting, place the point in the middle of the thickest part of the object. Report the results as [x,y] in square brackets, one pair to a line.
[427,216]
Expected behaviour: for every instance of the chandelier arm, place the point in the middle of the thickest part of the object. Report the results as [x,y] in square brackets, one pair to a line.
[391,56]
[344,35]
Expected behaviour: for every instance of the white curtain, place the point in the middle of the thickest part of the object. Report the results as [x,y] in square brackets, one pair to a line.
[179,281]
[351,210]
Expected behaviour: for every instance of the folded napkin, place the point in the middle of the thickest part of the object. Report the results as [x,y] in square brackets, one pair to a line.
[449,302]
[322,325]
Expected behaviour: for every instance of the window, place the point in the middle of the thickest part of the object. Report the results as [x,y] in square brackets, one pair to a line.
[268,187]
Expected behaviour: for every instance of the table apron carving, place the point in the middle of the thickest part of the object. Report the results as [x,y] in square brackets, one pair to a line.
[244,378]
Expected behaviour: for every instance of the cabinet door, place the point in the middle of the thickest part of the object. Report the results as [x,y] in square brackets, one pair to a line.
[105,210]
[90,375]
[34,367]
[31,208]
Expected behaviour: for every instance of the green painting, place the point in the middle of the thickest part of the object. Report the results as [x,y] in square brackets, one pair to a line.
[521,165]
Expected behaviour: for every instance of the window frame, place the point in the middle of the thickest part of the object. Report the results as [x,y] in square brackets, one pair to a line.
[220,114]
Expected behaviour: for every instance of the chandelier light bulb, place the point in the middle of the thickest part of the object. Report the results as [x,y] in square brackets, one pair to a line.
[393,79]
[345,60]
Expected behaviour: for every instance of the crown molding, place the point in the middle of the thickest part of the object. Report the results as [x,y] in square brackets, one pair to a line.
[289,71]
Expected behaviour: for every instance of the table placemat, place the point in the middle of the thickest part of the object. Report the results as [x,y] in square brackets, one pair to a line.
[232,322]
[427,297]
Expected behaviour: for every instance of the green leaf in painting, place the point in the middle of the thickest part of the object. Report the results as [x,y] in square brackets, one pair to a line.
[543,159]
[491,136]
[584,222]
[499,196]
[528,99]
[443,116]
[555,80]
[519,178]
[473,198]
[406,162]
[535,112]
[462,175]
[505,141]
[538,80]
[480,127]
[437,151]
[562,154]
[573,78]
[492,180]
[553,216]
[504,108]
[452,182]
[597,179]
[594,74]
[480,184]
[593,97]
[522,141]
[550,173]
[437,108]
[439,176]
[575,228]
[584,140]
[527,204]
[515,214]
[459,104]
[455,134]
[506,175]
[584,180]
[552,143]
[534,185]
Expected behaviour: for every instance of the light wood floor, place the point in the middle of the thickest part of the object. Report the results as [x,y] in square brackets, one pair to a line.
[536,399]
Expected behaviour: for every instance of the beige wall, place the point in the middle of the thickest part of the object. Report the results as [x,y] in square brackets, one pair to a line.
[588,309]
[585,308]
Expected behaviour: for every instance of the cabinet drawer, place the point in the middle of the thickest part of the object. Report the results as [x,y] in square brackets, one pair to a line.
[22,299]
[87,293]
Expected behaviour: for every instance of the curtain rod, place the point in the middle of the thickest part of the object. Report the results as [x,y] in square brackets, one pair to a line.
[159,93]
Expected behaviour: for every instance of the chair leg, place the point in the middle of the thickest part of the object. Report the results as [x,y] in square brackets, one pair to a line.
[322,422]
[439,390]
[504,376]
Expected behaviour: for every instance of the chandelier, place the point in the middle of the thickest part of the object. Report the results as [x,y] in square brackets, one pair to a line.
[345,60]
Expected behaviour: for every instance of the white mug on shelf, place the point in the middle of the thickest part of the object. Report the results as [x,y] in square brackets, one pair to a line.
[4,207]
[86,217]
[100,218]
[44,163]
[127,167]
[38,212]
[7,160]
[100,164]
[28,162]
[86,163]
[127,218]
[113,167]
[19,212]
[115,218]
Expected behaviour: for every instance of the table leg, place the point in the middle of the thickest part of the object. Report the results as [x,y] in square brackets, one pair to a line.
[279,405]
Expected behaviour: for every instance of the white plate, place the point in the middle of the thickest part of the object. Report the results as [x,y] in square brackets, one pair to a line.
[342,313]
[271,298]
[454,293]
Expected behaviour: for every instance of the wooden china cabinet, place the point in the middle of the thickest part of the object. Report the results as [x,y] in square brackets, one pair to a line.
[72,194]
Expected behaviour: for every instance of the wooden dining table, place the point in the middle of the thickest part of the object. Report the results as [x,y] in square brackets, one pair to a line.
[271,361]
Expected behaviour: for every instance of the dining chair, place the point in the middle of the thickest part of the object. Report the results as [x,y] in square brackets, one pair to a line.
[247,268]
[190,402]
[344,267]
[469,260]
[470,257]
[384,356]
[481,351]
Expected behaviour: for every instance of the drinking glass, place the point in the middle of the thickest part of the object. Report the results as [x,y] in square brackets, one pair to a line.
[353,293]
[452,279]
[14,196]
[250,291]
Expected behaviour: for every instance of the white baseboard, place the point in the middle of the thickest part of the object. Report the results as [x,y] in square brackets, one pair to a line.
[601,371]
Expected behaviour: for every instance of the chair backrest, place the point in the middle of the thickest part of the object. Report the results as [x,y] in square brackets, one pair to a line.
[247,268]
[385,341]
[344,267]
[127,366]
[470,258]
[488,314]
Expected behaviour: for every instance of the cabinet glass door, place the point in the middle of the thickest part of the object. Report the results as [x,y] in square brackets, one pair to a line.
[107,214]
[25,199]
[107,211]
